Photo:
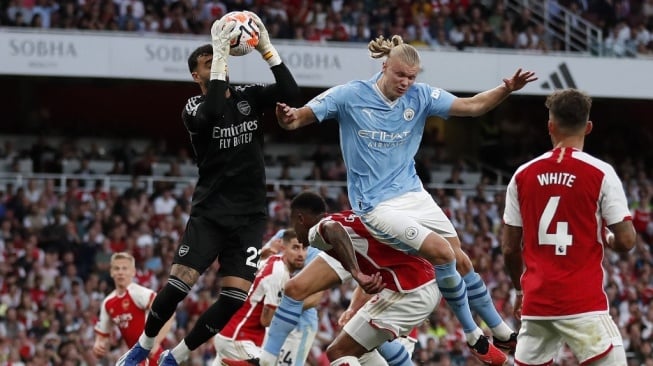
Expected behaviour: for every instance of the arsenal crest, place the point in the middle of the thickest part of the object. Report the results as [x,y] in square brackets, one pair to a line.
[183,250]
[244,107]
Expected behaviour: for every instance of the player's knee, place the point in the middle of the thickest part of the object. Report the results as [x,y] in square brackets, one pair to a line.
[295,290]
[334,351]
[436,249]
[186,274]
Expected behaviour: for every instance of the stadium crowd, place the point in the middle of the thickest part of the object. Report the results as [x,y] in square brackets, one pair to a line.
[56,246]
[626,24]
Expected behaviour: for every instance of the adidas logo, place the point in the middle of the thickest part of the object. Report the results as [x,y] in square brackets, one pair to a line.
[554,77]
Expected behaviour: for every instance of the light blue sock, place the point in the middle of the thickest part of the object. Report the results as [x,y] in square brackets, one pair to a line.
[285,319]
[480,300]
[455,292]
[395,353]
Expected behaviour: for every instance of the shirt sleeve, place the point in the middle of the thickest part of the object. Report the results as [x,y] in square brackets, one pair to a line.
[327,105]
[512,213]
[273,286]
[103,325]
[614,205]
[316,240]
[142,296]
[439,101]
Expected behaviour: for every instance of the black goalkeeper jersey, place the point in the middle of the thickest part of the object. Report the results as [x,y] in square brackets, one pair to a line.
[229,147]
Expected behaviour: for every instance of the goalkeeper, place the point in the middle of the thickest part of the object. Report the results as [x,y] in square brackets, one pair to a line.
[228,212]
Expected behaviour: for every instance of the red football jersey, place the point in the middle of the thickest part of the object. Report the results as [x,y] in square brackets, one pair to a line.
[562,200]
[401,271]
[127,312]
[266,290]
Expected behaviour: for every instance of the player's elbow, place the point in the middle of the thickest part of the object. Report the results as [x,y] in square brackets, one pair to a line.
[266,322]
[509,251]
[625,236]
[266,316]
[625,241]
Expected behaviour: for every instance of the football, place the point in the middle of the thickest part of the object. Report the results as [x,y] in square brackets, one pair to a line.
[247,40]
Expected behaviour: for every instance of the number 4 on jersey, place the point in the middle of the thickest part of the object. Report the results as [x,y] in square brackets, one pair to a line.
[561,238]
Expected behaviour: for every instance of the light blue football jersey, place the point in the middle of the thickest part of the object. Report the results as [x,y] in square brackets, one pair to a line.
[379,138]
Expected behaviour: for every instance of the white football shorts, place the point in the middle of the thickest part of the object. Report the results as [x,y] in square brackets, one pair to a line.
[391,314]
[237,350]
[588,337]
[404,222]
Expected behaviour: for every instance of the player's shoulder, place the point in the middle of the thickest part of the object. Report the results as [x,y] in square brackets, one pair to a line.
[136,289]
[354,87]
[271,264]
[246,88]
[278,268]
[593,161]
[192,104]
[342,217]
[423,88]
[533,162]
[113,294]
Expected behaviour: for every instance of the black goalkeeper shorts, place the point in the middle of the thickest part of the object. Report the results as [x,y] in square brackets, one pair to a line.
[235,240]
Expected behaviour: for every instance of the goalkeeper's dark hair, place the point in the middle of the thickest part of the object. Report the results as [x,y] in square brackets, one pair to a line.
[309,201]
[204,50]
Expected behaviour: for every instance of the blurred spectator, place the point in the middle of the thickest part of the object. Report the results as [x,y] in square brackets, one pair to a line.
[165,203]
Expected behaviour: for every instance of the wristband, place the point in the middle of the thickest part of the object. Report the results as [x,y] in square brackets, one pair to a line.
[271,56]
[218,68]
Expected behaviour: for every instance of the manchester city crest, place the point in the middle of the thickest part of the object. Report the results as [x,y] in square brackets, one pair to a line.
[411,232]
[409,114]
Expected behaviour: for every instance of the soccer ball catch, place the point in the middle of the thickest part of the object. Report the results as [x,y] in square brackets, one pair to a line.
[247,40]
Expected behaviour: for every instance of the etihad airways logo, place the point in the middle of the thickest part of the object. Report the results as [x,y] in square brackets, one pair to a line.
[384,139]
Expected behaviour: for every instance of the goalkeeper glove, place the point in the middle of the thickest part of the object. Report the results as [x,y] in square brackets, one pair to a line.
[265,47]
[221,36]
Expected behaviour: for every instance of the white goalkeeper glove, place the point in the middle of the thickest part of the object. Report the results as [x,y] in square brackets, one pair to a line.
[265,47]
[221,37]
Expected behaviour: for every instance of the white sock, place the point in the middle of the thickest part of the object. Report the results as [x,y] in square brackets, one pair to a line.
[267,359]
[145,341]
[347,360]
[474,336]
[502,331]
[180,352]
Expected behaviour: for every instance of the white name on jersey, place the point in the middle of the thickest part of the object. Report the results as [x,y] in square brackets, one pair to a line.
[565,179]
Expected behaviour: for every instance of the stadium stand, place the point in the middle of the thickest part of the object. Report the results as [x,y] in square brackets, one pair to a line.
[55,218]
[621,28]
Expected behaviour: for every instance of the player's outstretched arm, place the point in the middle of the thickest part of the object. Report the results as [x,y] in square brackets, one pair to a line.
[215,101]
[290,118]
[264,46]
[484,102]
[285,87]
[336,236]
